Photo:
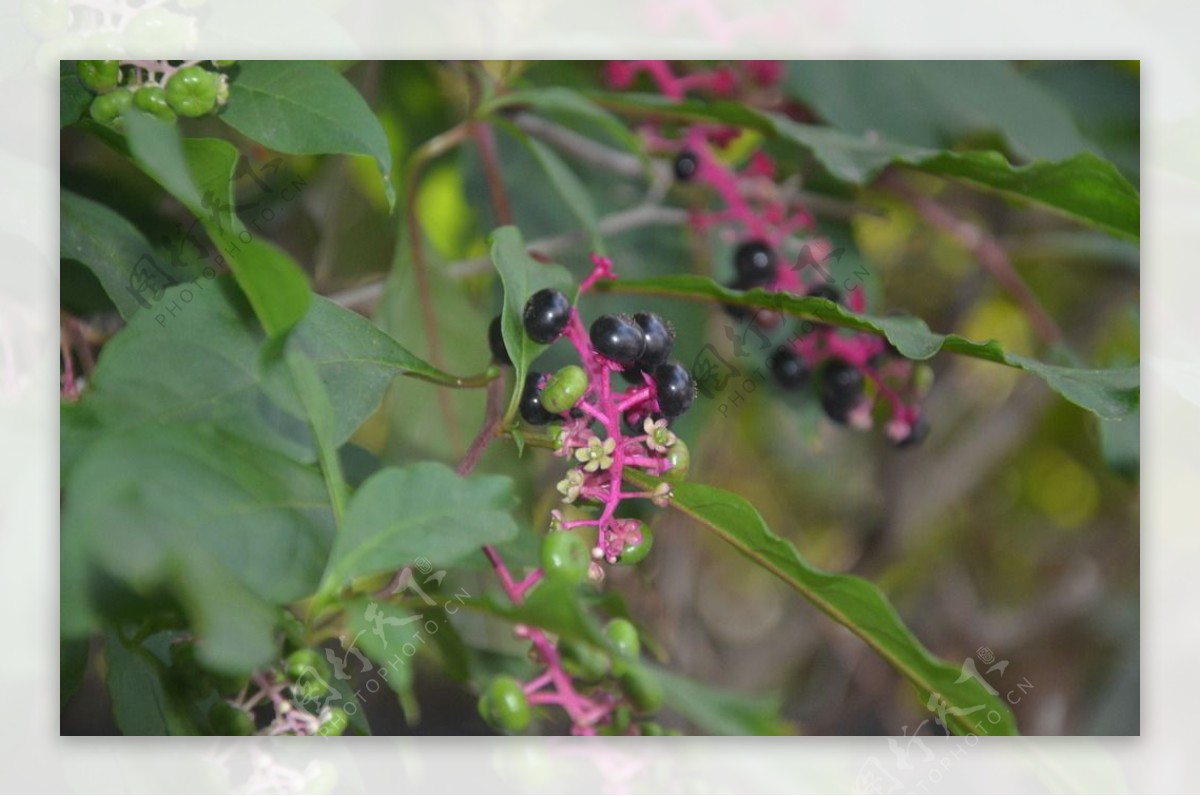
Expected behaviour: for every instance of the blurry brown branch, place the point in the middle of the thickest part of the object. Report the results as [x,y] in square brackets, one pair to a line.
[986,249]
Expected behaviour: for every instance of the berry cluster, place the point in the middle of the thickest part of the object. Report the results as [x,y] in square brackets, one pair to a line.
[853,370]
[604,431]
[160,88]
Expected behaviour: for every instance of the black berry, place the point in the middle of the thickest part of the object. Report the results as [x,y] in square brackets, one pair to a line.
[686,165]
[496,343]
[755,264]
[546,315]
[841,389]
[789,368]
[828,291]
[531,402]
[659,336]
[618,338]
[917,435]
[676,388]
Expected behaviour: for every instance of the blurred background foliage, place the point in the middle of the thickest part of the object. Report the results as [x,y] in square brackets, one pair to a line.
[1013,528]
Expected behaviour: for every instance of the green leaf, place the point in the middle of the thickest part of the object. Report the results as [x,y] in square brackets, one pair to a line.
[850,601]
[422,511]
[380,630]
[522,277]
[574,194]
[199,173]
[142,704]
[1083,187]
[1121,444]
[74,98]
[195,357]
[935,104]
[319,409]
[223,525]
[114,250]
[560,101]
[306,108]
[721,712]
[551,605]
[1107,393]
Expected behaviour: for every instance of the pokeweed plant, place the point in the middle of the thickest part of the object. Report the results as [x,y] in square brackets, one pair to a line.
[248,573]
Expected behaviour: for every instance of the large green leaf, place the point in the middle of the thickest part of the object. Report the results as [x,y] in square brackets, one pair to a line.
[199,359]
[1083,187]
[224,526]
[116,252]
[424,511]
[934,104]
[850,601]
[306,108]
[721,712]
[522,277]
[1107,393]
[200,174]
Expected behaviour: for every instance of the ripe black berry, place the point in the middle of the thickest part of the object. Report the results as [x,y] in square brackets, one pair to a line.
[755,264]
[841,389]
[917,435]
[546,315]
[789,368]
[618,338]
[496,343]
[686,165]
[659,336]
[676,388]
[531,402]
[828,291]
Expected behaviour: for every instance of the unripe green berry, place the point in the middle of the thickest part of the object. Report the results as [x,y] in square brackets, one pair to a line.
[307,664]
[565,557]
[100,76]
[623,638]
[110,109]
[582,660]
[642,688]
[192,91]
[634,553]
[681,460]
[153,100]
[228,720]
[564,389]
[505,706]
[336,723]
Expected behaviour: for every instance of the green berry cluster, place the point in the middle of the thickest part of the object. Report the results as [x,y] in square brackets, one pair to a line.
[165,93]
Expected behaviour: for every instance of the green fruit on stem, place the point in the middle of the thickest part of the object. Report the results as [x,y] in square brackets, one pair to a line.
[505,706]
[642,689]
[109,109]
[681,459]
[634,553]
[564,389]
[192,91]
[153,100]
[623,638]
[565,557]
[228,720]
[582,660]
[336,723]
[100,76]
[307,664]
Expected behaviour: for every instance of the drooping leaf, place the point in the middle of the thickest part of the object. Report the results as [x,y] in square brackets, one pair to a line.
[1107,393]
[200,174]
[422,511]
[721,712]
[934,104]
[381,630]
[855,603]
[322,422]
[1084,187]
[306,108]
[195,356]
[564,102]
[224,526]
[522,277]
[142,705]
